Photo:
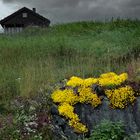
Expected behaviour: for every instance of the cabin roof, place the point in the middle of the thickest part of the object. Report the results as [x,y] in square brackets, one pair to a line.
[24,9]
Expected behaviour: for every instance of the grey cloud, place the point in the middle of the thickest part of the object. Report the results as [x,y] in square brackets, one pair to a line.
[132,3]
[75,10]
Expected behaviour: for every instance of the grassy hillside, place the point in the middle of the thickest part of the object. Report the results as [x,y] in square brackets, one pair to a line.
[38,58]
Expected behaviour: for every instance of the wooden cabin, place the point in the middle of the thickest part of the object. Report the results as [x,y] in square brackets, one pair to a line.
[23,18]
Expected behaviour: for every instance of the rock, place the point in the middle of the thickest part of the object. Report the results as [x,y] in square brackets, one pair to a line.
[90,116]
[70,134]
[98,90]
[54,110]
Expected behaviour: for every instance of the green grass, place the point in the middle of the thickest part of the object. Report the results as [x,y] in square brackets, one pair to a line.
[38,58]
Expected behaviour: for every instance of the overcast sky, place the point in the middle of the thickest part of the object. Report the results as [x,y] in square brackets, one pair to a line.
[74,10]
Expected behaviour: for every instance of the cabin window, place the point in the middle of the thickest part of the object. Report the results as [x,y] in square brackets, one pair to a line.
[24,15]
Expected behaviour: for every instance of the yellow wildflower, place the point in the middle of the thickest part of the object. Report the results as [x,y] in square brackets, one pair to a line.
[112,79]
[61,96]
[66,110]
[78,127]
[120,98]
[87,96]
[89,82]
[75,81]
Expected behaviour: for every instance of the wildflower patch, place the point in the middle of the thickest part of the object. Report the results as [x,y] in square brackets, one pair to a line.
[78,90]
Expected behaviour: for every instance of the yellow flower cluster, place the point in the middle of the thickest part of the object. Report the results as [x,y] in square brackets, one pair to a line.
[107,79]
[67,111]
[122,97]
[87,96]
[112,79]
[80,90]
[64,96]
[77,82]
[67,98]
[78,127]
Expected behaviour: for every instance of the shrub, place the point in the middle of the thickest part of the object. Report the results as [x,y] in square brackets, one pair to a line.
[108,131]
